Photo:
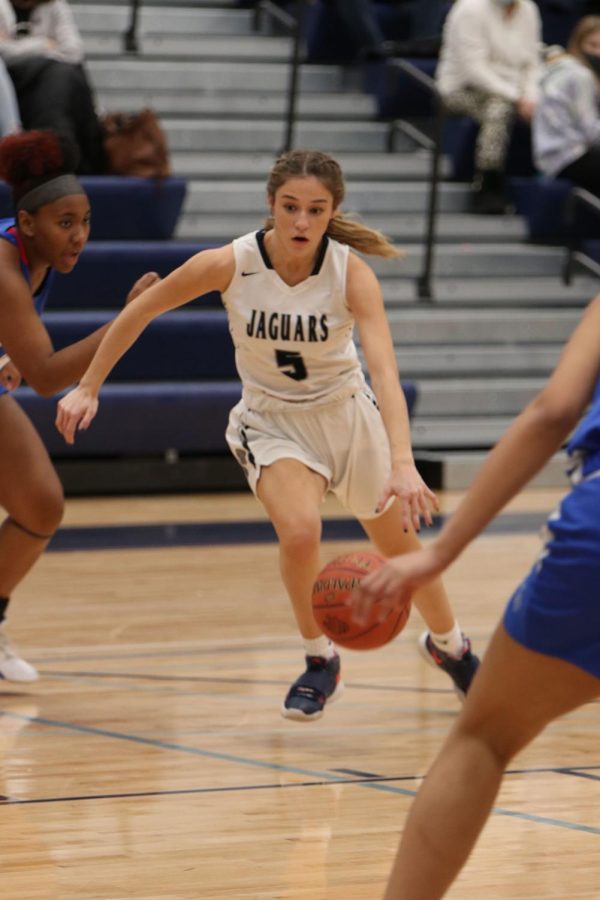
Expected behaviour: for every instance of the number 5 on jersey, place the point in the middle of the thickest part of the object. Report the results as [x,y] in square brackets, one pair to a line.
[291,364]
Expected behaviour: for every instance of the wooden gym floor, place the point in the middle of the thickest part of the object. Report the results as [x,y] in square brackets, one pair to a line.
[150,760]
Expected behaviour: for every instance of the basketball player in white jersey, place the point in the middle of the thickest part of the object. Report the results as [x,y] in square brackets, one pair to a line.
[307,422]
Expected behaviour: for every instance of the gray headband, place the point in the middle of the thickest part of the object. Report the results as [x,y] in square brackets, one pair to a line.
[49,191]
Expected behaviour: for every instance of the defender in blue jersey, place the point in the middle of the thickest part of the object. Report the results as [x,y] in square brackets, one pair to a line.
[544,657]
[49,231]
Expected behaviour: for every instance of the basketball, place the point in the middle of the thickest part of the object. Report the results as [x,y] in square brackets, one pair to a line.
[330,592]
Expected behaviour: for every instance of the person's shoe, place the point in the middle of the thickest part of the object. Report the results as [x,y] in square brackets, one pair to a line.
[12,667]
[488,197]
[461,670]
[318,685]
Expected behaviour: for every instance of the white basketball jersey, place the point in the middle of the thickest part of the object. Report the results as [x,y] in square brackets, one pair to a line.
[292,344]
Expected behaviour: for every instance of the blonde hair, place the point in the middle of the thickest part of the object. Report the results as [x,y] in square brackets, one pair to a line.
[586,26]
[342,228]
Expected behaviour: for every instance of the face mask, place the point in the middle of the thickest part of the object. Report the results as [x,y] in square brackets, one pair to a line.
[593,61]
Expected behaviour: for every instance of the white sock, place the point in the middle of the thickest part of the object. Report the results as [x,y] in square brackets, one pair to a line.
[451,642]
[320,646]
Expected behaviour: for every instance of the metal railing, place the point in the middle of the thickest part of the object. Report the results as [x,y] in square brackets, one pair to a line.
[130,41]
[295,25]
[578,198]
[424,285]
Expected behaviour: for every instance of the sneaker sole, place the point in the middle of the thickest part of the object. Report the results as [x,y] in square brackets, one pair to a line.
[426,655]
[296,715]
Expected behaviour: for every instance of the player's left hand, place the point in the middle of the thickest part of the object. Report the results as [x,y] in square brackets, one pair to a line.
[416,499]
[10,377]
[141,285]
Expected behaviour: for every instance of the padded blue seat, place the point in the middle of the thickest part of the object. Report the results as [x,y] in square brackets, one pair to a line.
[543,203]
[458,143]
[126,208]
[150,418]
[178,346]
[327,40]
[108,269]
[143,419]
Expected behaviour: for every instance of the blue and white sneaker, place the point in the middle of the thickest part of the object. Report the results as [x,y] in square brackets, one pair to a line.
[318,685]
[460,669]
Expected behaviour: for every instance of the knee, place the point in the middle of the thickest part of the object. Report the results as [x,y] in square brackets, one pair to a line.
[299,534]
[45,511]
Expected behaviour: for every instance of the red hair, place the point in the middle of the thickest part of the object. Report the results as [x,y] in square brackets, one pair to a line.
[29,158]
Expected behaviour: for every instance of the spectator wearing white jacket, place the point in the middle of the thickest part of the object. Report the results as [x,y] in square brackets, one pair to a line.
[43,52]
[566,124]
[489,69]
[9,108]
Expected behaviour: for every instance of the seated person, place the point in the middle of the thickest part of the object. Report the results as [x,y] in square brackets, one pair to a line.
[566,123]
[9,108]
[43,51]
[489,68]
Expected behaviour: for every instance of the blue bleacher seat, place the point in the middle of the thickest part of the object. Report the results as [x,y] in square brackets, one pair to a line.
[458,143]
[142,419]
[327,40]
[107,270]
[543,203]
[126,208]
[178,346]
[173,389]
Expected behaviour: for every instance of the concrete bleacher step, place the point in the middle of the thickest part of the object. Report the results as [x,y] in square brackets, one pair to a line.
[248,135]
[248,196]
[475,396]
[205,47]
[477,361]
[230,5]
[133,73]
[404,229]
[481,326]
[226,165]
[455,470]
[113,19]
[490,261]
[507,292]
[231,104]
[458,432]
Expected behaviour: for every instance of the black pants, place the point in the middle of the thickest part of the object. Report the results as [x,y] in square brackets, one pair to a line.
[585,171]
[57,96]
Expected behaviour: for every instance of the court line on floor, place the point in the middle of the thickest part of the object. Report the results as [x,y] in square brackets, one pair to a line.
[259,531]
[323,777]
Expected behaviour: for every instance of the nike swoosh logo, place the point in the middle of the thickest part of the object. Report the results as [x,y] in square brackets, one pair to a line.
[245,274]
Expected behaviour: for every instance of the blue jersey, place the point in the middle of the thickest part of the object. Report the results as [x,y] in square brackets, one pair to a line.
[586,438]
[9,232]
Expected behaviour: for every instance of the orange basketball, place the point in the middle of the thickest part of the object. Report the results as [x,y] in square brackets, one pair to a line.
[330,591]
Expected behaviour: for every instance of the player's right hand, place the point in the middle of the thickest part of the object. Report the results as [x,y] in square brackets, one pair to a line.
[75,412]
[141,285]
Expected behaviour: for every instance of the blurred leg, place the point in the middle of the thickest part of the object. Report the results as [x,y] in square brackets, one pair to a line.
[516,694]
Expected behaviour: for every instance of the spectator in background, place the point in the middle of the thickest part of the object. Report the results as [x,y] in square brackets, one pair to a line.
[43,52]
[362,25]
[9,108]
[566,124]
[489,69]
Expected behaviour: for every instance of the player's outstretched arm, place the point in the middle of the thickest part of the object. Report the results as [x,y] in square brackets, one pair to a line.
[210,270]
[535,435]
